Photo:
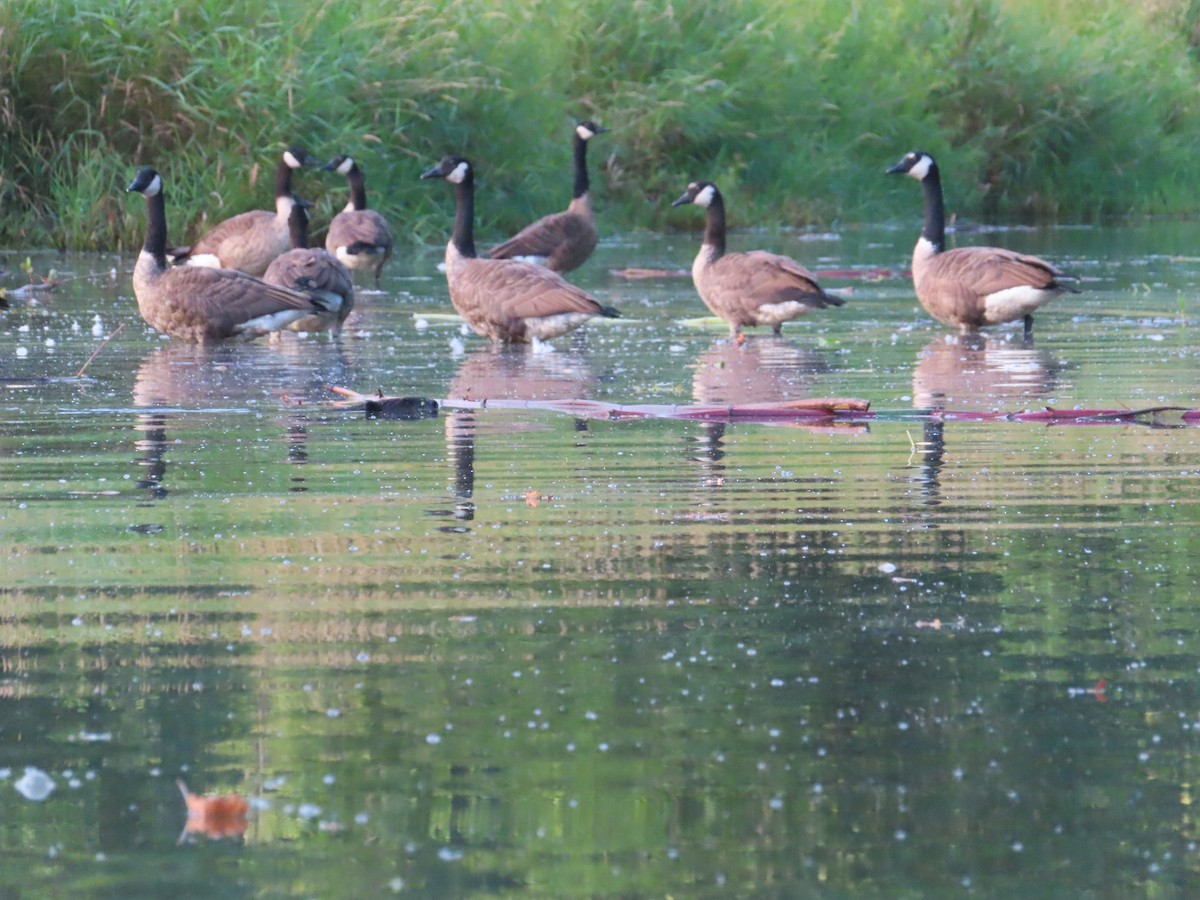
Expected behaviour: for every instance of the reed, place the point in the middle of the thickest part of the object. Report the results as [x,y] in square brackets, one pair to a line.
[1036,110]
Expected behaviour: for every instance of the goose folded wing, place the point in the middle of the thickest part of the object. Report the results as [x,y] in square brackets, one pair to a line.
[521,290]
[542,237]
[987,270]
[231,229]
[361,229]
[217,293]
[768,278]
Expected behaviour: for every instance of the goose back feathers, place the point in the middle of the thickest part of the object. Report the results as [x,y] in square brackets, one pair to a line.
[746,289]
[359,237]
[314,272]
[561,241]
[971,287]
[201,304]
[249,241]
[505,299]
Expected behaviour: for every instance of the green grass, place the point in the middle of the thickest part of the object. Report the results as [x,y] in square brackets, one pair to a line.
[1037,110]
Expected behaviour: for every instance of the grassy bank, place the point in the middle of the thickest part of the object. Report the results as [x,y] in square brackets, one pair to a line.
[1064,110]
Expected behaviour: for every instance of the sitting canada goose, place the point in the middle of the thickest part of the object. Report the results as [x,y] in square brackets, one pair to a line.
[249,241]
[315,272]
[973,286]
[358,236]
[561,241]
[755,288]
[505,299]
[201,304]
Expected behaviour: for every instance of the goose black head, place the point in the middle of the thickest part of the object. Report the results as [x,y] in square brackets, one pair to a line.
[146,181]
[455,169]
[296,158]
[341,164]
[700,193]
[915,164]
[587,129]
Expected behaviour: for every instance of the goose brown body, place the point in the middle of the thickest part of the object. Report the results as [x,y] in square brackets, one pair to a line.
[561,241]
[315,272]
[359,237]
[202,304]
[753,288]
[249,241]
[972,287]
[505,299]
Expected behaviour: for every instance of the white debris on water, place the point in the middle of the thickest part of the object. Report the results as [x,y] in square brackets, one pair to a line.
[35,784]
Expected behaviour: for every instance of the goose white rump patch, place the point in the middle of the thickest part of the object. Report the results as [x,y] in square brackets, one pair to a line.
[548,327]
[1014,303]
[777,313]
[204,261]
[273,322]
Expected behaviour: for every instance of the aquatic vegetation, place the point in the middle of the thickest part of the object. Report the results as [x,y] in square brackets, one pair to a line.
[1064,111]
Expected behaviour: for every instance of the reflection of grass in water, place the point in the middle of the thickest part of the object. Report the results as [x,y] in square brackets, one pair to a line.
[796,108]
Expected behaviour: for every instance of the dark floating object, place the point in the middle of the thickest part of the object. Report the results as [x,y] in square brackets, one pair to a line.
[404,408]
[815,409]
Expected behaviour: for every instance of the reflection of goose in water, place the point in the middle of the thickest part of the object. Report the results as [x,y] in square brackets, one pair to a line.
[512,373]
[233,377]
[505,373]
[222,378]
[973,372]
[761,369]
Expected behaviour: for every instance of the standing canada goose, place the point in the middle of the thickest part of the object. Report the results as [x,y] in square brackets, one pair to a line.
[755,288]
[315,272]
[505,299]
[201,304]
[561,241]
[358,236]
[973,286]
[249,241]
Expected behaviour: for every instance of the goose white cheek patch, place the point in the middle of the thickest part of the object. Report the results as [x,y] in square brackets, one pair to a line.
[705,197]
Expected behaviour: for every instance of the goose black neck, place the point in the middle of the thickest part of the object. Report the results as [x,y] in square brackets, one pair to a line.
[935,214]
[156,229]
[714,223]
[358,188]
[581,175]
[464,216]
[298,227]
[283,179]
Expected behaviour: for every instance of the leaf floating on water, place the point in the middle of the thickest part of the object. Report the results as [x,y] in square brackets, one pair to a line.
[214,816]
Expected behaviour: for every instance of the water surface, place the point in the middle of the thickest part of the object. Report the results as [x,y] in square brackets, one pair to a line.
[518,652]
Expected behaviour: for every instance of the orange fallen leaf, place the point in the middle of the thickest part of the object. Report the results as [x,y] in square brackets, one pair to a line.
[214,816]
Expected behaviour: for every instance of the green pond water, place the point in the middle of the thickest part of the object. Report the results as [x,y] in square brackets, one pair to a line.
[519,652]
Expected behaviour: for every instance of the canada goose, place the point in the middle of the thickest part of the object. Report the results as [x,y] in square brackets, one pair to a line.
[973,286]
[561,241]
[358,236]
[249,241]
[755,288]
[201,304]
[315,272]
[505,299]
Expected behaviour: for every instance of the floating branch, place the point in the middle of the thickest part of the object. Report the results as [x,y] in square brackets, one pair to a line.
[831,409]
